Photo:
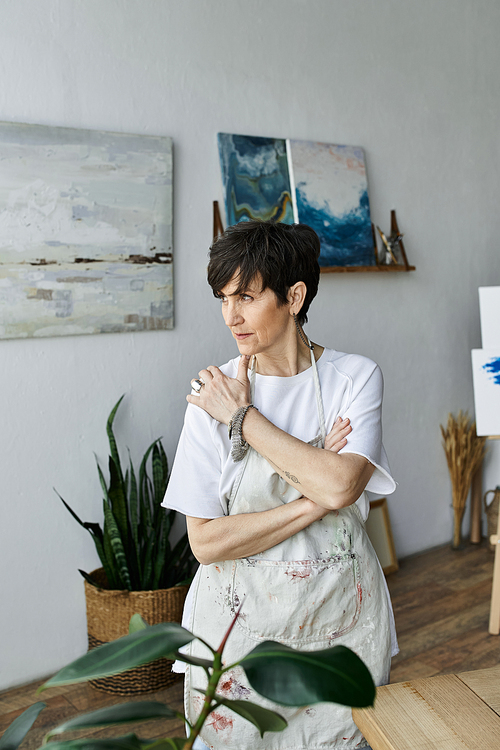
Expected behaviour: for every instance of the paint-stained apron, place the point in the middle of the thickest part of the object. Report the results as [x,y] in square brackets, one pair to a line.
[319,588]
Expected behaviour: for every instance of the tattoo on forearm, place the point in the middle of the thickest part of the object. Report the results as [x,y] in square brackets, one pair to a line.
[289,476]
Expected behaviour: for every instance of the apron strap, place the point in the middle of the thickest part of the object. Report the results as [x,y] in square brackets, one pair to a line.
[319,400]
[252,378]
[317,388]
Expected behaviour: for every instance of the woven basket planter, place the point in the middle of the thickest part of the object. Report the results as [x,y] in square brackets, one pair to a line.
[108,617]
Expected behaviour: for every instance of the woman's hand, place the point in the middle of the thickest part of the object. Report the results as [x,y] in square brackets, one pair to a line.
[337,437]
[221,396]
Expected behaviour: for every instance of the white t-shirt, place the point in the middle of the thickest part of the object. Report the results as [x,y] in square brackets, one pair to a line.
[351,386]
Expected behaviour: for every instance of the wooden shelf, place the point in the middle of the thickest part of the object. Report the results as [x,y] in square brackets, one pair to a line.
[218,229]
[378,268]
[366,269]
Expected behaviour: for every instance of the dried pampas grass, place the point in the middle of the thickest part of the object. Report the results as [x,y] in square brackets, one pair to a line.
[464,454]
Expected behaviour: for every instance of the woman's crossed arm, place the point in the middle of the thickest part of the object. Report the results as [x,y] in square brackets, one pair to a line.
[245,534]
[330,480]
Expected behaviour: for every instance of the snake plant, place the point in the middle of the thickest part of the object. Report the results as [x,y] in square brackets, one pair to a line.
[134,543]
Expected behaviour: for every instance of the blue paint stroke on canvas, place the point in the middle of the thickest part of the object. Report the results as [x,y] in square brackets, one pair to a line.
[493,367]
[255,178]
[331,192]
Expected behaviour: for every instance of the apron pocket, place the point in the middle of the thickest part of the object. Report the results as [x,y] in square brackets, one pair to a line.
[297,602]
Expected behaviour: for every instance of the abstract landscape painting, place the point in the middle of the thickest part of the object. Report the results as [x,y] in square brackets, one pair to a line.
[319,184]
[331,194]
[85,232]
[255,177]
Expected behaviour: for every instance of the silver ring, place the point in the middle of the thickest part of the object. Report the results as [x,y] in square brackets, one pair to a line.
[197,384]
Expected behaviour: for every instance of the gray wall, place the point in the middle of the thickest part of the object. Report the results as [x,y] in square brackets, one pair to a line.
[416,84]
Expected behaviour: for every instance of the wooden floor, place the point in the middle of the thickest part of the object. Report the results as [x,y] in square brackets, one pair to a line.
[441,601]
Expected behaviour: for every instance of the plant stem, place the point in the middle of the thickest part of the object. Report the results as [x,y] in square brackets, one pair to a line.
[207,703]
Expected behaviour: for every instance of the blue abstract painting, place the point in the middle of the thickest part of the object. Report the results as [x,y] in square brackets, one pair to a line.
[256,178]
[331,196]
[486,377]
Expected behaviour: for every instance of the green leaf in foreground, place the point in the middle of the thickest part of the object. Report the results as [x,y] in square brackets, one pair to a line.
[299,678]
[127,742]
[136,624]
[120,714]
[125,653]
[17,731]
[264,719]
[196,661]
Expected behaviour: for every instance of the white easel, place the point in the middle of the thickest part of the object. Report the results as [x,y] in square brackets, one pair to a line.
[489,308]
[494,626]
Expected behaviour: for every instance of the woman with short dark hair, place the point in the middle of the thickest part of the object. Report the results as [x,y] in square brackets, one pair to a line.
[272,480]
[280,254]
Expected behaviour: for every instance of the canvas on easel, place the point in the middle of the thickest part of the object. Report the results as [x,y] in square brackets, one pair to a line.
[486,378]
[486,364]
[489,307]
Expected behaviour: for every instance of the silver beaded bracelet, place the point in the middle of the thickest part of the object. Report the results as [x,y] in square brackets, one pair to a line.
[234,429]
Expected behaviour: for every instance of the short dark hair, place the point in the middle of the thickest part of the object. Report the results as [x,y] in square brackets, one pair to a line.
[281,253]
